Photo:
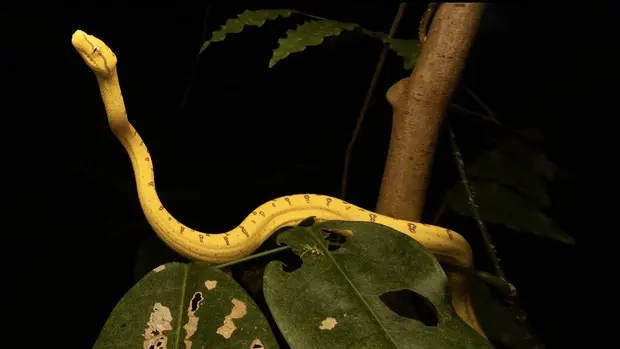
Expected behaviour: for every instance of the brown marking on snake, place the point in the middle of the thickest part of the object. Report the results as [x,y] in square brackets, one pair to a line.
[307,197]
[348,208]
[182,229]
[147,159]
[141,143]
[244,231]
[450,234]
[412,227]
[373,217]
[344,202]
[253,221]
[200,237]
[151,184]
[161,208]
[273,204]
[262,213]
[328,201]
[226,239]
[152,170]
[169,219]
[254,213]
[288,200]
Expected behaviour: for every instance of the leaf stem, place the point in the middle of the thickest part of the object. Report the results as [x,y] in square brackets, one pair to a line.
[310,15]
[254,256]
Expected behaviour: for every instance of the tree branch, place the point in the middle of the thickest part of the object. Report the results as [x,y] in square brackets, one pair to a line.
[419,104]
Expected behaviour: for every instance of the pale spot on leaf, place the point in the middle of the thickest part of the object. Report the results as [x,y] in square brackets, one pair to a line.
[328,324]
[159,321]
[228,327]
[192,320]
[160,268]
[256,344]
[210,284]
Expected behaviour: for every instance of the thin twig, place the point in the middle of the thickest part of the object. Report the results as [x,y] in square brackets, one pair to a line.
[192,77]
[367,98]
[504,287]
[440,211]
[470,194]
[426,19]
[490,114]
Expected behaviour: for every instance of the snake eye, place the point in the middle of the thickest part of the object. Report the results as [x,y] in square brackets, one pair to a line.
[96,49]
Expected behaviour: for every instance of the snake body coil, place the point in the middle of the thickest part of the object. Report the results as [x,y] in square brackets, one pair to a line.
[446,245]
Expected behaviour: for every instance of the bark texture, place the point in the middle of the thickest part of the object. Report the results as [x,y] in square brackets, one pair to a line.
[418,105]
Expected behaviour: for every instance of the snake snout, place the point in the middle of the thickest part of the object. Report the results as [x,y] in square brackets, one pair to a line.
[79,41]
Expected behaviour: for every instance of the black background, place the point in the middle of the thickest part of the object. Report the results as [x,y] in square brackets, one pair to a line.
[248,133]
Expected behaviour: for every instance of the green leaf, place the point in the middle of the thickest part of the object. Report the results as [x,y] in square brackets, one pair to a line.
[409,49]
[308,34]
[498,204]
[179,303]
[511,171]
[247,18]
[336,299]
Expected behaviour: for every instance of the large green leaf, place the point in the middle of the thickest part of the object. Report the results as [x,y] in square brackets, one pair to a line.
[501,205]
[307,34]
[247,18]
[336,299]
[186,305]
[521,168]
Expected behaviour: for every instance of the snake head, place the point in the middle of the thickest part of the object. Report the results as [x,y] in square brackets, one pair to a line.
[97,55]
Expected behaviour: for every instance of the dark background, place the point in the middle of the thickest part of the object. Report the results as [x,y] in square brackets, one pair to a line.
[247,134]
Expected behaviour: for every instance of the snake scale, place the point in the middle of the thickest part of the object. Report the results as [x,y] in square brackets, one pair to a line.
[448,246]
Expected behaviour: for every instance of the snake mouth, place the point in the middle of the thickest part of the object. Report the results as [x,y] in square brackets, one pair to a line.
[93,51]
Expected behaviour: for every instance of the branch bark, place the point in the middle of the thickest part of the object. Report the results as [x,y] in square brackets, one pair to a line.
[418,106]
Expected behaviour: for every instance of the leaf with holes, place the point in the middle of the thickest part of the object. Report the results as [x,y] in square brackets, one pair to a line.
[346,298]
[501,205]
[247,18]
[186,305]
[308,34]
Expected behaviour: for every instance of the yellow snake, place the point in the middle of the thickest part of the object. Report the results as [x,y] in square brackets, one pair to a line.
[446,245]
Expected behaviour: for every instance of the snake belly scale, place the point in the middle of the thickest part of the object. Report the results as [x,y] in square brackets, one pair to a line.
[448,246]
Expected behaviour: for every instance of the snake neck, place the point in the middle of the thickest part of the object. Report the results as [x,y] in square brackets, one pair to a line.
[114,104]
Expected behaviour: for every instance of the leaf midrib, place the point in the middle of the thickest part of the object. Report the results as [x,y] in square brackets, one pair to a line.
[359,295]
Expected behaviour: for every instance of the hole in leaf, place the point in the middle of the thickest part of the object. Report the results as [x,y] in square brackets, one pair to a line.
[334,240]
[257,346]
[291,261]
[195,302]
[409,304]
